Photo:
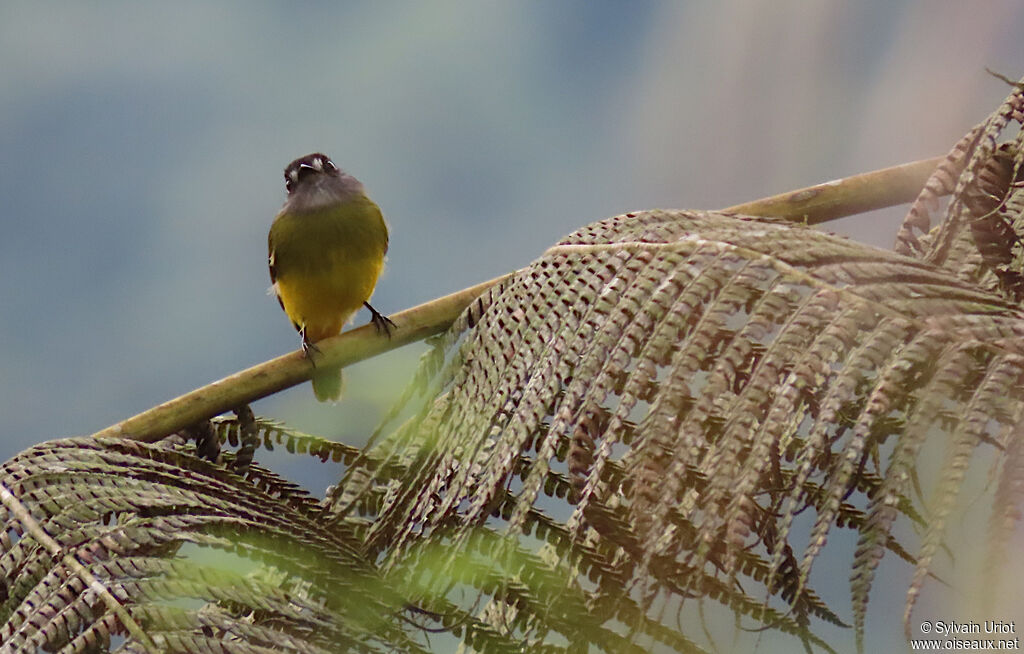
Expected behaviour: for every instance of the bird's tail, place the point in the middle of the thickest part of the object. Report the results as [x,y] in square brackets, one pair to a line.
[328,384]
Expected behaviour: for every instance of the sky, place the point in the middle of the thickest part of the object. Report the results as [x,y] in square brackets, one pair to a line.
[142,145]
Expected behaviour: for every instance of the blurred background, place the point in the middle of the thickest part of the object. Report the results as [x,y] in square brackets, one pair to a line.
[141,151]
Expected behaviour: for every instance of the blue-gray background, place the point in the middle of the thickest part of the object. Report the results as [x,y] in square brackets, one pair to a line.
[141,148]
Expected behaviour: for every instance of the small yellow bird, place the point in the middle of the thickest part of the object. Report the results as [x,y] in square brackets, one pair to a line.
[327,247]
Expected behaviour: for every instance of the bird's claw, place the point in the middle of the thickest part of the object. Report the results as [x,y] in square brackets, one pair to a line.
[380,321]
[308,347]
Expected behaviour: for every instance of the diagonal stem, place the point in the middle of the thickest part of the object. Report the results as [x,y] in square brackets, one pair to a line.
[845,197]
[811,205]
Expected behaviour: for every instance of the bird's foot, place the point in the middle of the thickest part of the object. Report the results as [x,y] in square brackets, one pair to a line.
[308,347]
[380,321]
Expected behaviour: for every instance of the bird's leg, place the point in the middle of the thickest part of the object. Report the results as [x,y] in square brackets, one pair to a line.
[380,321]
[308,346]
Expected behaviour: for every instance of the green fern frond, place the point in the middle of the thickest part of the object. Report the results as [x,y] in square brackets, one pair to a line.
[274,433]
[160,530]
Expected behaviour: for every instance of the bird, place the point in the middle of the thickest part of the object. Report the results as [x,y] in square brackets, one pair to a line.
[326,249]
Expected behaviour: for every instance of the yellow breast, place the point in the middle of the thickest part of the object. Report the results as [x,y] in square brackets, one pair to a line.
[323,301]
[325,263]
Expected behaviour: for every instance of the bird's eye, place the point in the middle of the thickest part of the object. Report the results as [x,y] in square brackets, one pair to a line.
[329,166]
[293,175]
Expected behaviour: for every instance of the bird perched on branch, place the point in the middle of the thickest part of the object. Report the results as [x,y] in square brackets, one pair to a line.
[327,247]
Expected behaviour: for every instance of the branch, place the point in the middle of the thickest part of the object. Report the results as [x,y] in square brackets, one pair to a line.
[291,369]
[846,197]
[813,205]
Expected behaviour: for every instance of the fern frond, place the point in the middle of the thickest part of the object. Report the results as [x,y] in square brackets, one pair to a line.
[980,236]
[666,381]
[1007,503]
[274,433]
[962,443]
[627,429]
[155,527]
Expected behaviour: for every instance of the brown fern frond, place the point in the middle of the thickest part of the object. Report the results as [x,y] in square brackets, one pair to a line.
[1007,503]
[678,386]
[941,183]
[980,237]
[952,365]
[962,443]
